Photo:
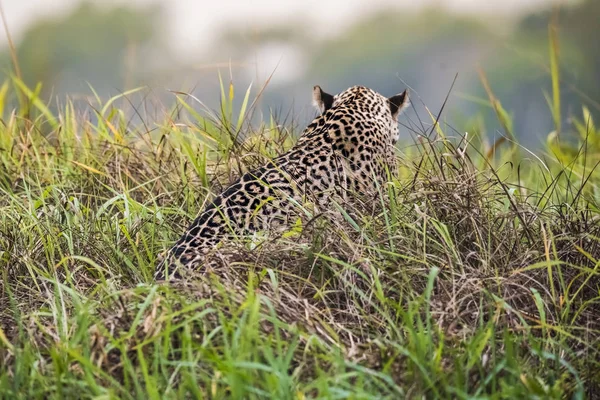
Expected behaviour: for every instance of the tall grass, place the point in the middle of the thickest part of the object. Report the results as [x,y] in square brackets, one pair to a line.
[470,276]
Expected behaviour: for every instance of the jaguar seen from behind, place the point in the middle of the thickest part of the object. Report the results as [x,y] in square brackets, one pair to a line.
[349,148]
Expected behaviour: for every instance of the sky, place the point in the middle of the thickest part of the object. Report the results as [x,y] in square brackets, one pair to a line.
[195,23]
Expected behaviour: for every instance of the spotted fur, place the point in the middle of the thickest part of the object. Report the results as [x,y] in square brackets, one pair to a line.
[347,149]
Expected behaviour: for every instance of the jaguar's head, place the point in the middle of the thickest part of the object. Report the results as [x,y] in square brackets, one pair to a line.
[363,103]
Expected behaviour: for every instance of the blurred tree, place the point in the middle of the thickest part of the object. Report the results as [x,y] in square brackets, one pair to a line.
[580,48]
[426,50]
[92,44]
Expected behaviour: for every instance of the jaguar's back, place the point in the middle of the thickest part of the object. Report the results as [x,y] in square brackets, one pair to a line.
[349,146]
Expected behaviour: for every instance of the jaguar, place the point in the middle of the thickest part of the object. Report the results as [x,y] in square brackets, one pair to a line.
[348,149]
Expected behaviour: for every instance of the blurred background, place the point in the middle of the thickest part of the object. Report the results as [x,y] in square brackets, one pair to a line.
[182,45]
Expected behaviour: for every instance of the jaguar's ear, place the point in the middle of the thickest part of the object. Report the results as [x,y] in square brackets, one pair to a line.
[398,103]
[323,101]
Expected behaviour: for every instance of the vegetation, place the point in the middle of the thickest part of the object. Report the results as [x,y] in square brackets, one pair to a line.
[478,278]
[90,46]
[475,273]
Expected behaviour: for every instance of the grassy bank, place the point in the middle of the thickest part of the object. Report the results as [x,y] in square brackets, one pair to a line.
[474,275]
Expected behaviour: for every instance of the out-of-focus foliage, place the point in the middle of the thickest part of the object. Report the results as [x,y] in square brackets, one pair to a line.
[91,44]
[578,28]
[119,48]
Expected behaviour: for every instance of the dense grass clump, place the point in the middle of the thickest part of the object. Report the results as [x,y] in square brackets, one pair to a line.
[469,276]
